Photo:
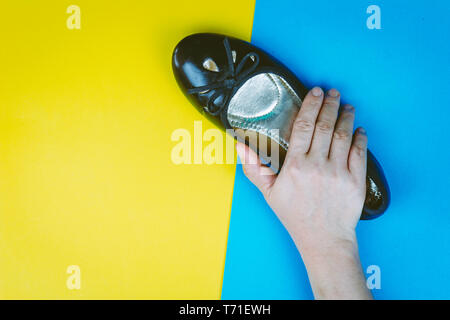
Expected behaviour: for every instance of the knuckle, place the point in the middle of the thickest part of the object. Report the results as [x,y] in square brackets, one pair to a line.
[292,165]
[342,134]
[360,150]
[347,114]
[303,125]
[330,103]
[315,102]
[324,126]
[361,140]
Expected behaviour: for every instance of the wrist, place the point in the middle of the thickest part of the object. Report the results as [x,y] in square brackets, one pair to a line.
[334,267]
[318,245]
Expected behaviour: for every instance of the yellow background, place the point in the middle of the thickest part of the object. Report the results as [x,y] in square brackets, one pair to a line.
[85,172]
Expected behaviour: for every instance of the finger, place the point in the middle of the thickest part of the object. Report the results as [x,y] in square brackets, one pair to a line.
[304,123]
[342,137]
[357,161]
[323,132]
[261,176]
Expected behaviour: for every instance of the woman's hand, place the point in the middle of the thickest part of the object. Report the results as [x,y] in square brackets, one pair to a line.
[320,191]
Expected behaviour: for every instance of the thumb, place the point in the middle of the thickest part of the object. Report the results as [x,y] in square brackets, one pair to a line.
[260,175]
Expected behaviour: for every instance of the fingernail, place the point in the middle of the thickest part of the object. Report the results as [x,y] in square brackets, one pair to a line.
[333,93]
[349,108]
[316,92]
[362,131]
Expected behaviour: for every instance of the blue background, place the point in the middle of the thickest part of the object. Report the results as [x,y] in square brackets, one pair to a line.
[398,80]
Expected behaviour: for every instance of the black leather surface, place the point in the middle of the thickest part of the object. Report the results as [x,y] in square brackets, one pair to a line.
[187,64]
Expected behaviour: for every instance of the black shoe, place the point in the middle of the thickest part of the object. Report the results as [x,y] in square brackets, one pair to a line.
[238,86]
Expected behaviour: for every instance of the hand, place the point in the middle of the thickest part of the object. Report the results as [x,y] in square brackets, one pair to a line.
[320,190]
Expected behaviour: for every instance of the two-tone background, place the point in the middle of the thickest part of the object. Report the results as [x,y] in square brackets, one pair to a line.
[88,188]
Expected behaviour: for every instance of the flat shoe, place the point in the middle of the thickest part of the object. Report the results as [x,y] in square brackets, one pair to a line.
[239,86]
